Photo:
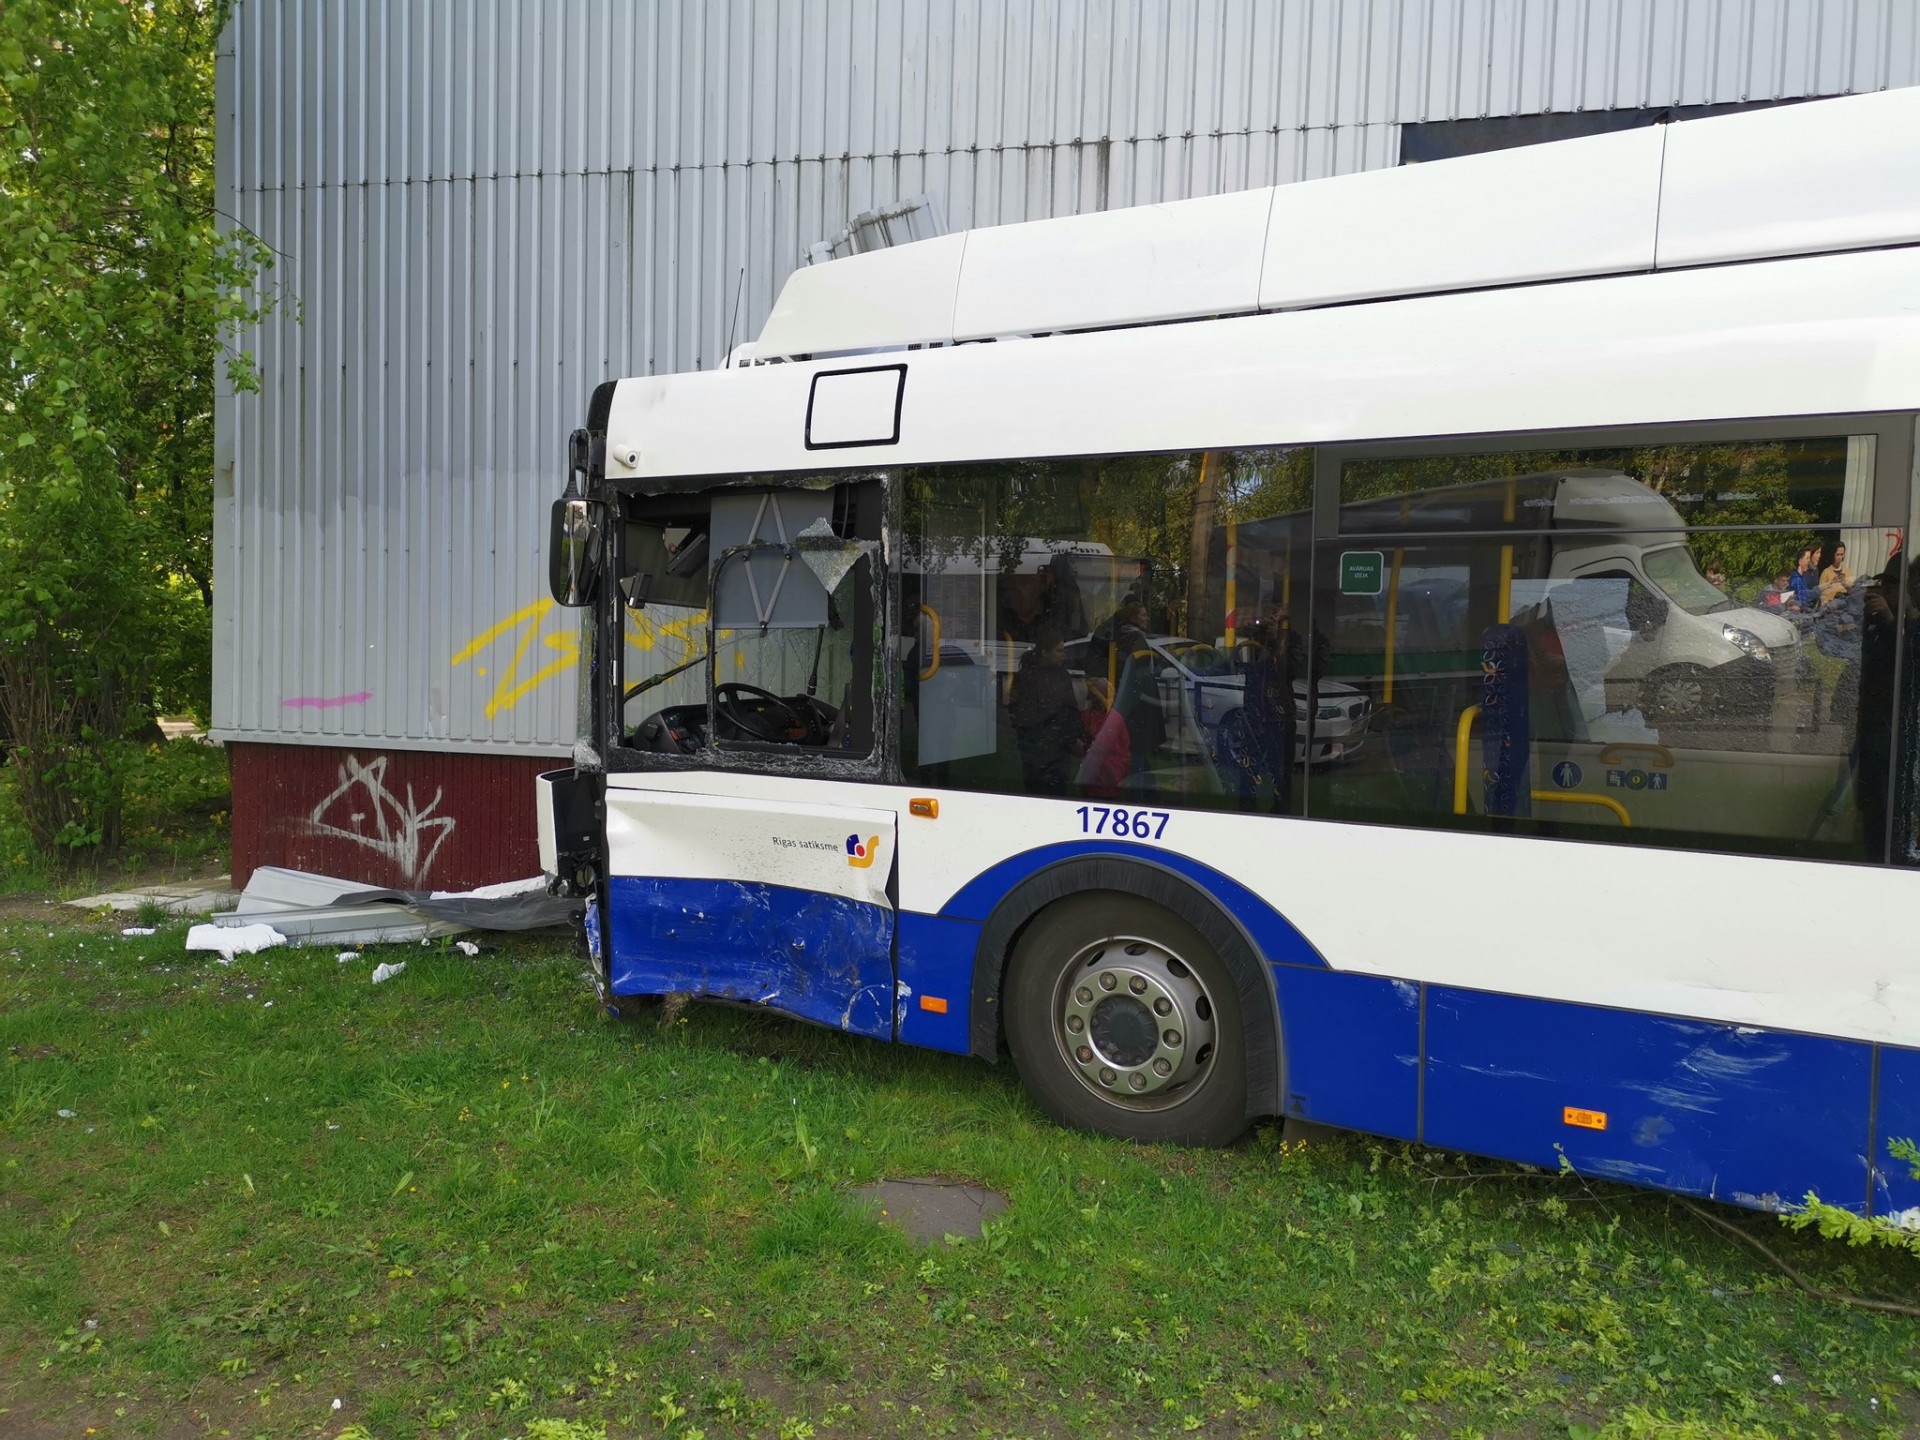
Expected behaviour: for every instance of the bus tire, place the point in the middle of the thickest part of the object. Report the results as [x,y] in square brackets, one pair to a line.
[1122,1020]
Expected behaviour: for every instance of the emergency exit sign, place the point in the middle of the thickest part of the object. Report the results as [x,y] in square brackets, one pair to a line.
[1362,572]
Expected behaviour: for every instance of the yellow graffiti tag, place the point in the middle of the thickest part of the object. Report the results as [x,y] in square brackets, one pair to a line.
[686,636]
[509,689]
[643,633]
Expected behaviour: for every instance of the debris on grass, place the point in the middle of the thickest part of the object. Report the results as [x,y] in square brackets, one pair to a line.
[505,890]
[132,930]
[467,948]
[386,970]
[232,940]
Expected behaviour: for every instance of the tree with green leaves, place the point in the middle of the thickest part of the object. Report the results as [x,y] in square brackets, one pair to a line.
[118,287]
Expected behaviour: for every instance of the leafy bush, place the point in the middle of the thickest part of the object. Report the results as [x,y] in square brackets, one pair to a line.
[1898,1232]
[176,796]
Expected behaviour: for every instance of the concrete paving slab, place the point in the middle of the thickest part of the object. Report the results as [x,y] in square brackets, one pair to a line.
[181,897]
[927,1209]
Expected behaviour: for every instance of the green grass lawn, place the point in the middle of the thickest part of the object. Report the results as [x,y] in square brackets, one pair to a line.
[462,1203]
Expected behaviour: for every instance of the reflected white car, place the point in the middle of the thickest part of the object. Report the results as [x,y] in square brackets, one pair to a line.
[1199,679]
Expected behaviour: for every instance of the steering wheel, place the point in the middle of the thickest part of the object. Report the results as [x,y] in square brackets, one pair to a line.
[760,725]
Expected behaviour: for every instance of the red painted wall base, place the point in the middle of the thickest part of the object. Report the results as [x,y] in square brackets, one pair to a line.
[412,819]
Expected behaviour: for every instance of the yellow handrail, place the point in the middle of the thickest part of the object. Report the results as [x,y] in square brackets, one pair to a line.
[1561,798]
[1462,736]
[934,668]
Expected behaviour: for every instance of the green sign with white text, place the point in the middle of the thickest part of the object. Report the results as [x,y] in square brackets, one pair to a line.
[1362,572]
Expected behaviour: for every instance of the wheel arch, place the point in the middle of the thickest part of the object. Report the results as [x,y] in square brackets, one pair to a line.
[1173,892]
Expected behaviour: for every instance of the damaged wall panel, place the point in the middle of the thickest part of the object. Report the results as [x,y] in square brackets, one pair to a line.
[411,819]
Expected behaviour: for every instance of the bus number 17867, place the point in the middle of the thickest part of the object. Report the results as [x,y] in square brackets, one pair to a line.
[1129,824]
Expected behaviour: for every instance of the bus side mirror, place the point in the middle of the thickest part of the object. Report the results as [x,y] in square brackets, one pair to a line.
[573,550]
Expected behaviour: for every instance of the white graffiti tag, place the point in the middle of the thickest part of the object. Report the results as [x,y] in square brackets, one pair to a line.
[376,819]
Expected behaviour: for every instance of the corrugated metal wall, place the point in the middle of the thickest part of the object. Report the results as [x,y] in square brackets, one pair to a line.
[484,207]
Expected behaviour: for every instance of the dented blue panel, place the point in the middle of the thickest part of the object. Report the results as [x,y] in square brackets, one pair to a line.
[1351,1049]
[935,1003]
[1755,1117]
[1897,1118]
[819,957]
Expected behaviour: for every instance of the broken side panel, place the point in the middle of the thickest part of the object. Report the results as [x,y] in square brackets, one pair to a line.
[761,902]
[1896,1179]
[1730,1112]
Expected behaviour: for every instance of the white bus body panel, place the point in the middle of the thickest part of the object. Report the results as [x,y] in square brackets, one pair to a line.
[1165,262]
[1510,217]
[1828,334]
[905,292]
[1831,175]
[1604,925]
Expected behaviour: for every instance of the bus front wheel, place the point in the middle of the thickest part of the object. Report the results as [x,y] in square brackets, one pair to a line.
[1123,1020]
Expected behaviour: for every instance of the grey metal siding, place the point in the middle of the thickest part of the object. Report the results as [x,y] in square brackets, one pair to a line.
[484,207]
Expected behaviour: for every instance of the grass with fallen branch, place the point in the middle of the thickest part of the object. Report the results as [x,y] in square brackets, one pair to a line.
[462,1203]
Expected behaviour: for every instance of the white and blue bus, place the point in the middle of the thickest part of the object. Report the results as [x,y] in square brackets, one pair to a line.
[1429,652]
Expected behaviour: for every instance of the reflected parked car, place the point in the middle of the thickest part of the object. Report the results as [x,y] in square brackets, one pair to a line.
[1199,680]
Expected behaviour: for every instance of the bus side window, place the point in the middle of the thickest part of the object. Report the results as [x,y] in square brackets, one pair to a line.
[1675,686]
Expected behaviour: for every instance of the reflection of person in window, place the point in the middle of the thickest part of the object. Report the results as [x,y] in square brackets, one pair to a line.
[1105,654]
[1022,608]
[1048,597]
[1266,657]
[1837,578]
[1046,721]
[1109,747]
[1779,594]
[1806,579]
[1137,695]
[1064,605]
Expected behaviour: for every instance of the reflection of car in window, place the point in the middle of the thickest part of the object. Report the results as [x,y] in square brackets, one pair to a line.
[1201,680]
[1678,650]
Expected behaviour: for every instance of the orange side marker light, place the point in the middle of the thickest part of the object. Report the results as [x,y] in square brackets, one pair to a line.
[925,807]
[1585,1119]
[933,1003]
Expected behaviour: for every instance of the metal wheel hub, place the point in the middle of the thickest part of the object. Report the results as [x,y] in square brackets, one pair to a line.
[1680,696]
[1133,1020]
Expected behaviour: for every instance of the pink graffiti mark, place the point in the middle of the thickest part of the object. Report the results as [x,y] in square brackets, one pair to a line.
[327,702]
